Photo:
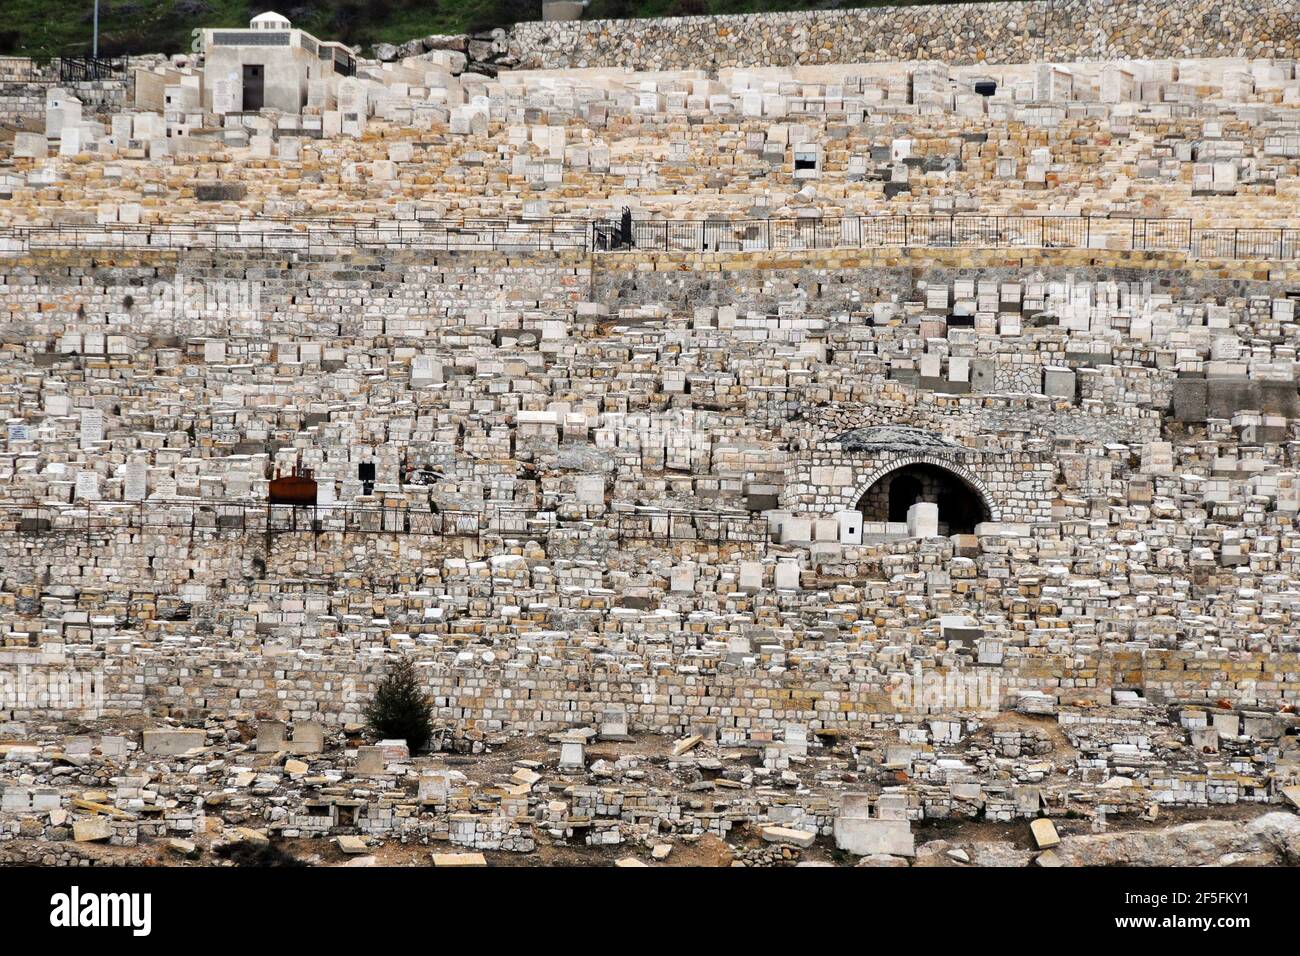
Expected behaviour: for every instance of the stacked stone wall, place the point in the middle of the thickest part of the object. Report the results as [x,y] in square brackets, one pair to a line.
[1060,30]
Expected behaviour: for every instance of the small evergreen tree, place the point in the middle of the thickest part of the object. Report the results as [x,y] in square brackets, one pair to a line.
[399,710]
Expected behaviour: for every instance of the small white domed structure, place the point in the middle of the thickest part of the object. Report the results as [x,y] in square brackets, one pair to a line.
[269,21]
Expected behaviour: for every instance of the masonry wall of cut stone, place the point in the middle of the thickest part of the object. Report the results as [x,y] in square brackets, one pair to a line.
[399,292]
[1016,485]
[481,698]
[367,292]
[26,101]
[1061,30]
[841,280]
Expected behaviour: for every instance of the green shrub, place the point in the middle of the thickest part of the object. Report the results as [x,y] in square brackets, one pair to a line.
[400,710]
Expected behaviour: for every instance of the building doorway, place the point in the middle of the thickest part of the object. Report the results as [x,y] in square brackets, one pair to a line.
[254,87]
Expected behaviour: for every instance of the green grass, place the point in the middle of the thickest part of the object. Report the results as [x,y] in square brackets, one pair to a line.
[46,28]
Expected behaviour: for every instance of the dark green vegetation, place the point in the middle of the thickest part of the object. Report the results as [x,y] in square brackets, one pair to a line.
[399,709]
[45,28]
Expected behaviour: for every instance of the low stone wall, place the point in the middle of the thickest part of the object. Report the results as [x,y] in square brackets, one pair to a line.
[1059,30]
[838,279]
[538,699]
[26,101]
[167,293]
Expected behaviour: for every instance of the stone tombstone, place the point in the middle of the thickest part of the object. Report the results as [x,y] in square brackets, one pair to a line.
[923,520]
[92,426]
[270,736]
[31,146]
[572,755]
[351,96]
[424,371]
[613,725]
[87,487]
[862,835]
[227,94]
[590,489]
[136,484]
[850,526]
[370,760]
[434,786]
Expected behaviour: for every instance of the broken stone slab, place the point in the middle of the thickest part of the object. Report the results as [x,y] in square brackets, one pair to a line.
[459,859]
[525,777]
[867,837]
[172,742]
[774,834]
[686,745]
[1045,835]
[92,830]
[630,861]
[352,845]
[250,836]
[100,807]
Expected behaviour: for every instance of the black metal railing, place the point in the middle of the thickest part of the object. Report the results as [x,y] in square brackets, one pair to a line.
[311,236]
[84,69]
[933,231]
[1246,243]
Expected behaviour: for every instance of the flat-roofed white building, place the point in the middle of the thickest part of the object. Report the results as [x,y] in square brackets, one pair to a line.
[269,65]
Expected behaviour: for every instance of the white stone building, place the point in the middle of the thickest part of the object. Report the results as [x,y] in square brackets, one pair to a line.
[268,66]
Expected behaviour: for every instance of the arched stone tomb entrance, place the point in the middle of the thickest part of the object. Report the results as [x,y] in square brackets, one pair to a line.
[955,505]
[896,481]
[914,483]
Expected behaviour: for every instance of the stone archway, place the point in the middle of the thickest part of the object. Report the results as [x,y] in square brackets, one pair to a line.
[963,499]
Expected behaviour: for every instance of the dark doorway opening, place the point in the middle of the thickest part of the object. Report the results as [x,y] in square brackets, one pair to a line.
[904,491]
[254,87]
[366,475]
[961,507]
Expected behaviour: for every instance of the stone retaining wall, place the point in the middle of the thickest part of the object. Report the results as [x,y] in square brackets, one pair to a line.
[490,698]
[399,292]
[165,293]
[26,101]
[838,280]
[1059,30]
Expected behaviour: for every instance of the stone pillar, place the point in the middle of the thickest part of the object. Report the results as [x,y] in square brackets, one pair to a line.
[923,520]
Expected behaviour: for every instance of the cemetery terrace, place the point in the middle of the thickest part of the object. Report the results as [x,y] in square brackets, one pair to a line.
[823,463]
